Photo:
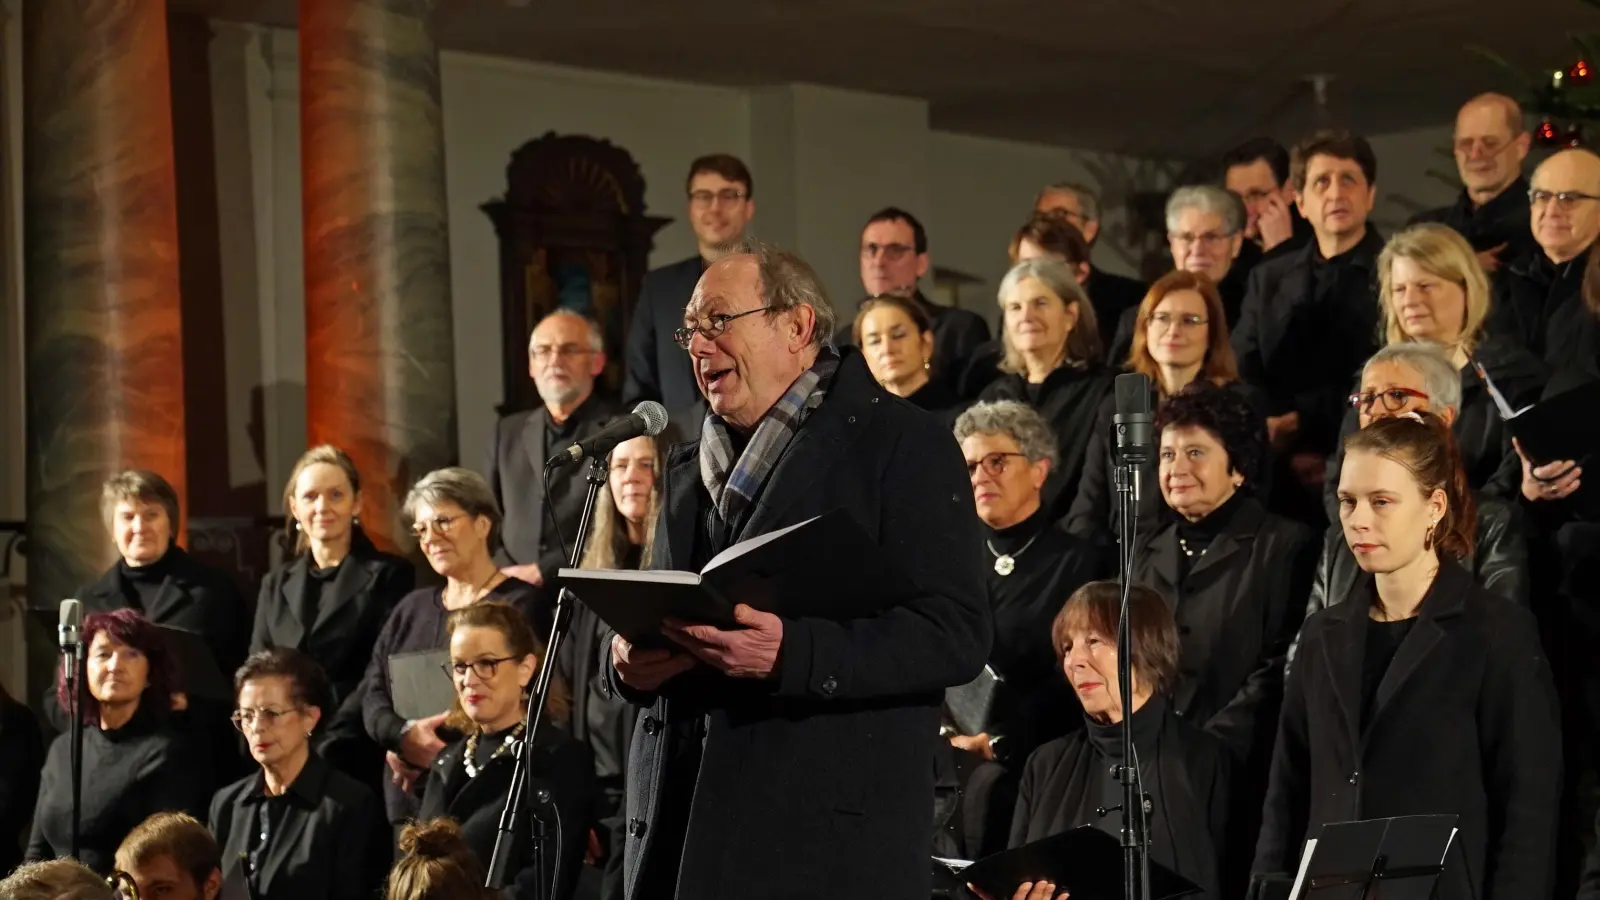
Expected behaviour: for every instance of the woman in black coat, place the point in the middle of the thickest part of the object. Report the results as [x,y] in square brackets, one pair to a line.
[494,657]
[135,763]
[1053,363]
[896,338]
[1180,337]
[1424,693]
[454,516]
[332,599]
[21,757]
[1184,770]
[298,829]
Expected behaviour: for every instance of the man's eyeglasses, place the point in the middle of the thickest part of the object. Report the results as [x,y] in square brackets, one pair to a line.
[1564,200]
[706,198]
[890,252]
[1189,238]
[483,668]
[439,525]
[564,351]
[994,464]
[710,328]
[244,718]
[1165,320]
[1394,399]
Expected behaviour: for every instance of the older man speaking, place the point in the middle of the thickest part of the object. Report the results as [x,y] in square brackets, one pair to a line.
[793,757]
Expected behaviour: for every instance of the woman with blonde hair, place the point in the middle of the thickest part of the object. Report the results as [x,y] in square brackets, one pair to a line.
[1432,289]
[1052,361]
[436,864]
[331,599]
[494,657]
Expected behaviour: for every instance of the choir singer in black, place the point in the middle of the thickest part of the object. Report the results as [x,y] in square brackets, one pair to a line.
[793,757]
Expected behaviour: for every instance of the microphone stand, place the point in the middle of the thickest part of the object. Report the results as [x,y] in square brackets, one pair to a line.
[505,833]
[1135,825]
[74,674]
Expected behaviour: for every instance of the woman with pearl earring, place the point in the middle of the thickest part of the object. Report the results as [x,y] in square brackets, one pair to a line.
[331,599]
[1422,693]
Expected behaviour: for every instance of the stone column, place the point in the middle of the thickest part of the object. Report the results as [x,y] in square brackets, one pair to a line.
[380,368]
[102,339]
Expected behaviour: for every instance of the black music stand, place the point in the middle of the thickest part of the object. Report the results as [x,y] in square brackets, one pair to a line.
[1402,858]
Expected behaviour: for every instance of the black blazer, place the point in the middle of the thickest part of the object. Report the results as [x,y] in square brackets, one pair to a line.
[794,799]
[1464,723]
[21,758]
[332,844]
[516,476]
[1069,400]
[339,635]
[1112,295]
[657,368]
[1236,616]
[1503,221]
[558,764]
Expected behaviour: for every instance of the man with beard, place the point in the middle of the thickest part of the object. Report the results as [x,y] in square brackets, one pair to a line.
[565,355]
[720,208]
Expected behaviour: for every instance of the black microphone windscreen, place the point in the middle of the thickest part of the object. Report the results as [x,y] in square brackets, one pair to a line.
[1133,393]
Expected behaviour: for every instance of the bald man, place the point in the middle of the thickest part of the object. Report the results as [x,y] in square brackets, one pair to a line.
[1491,144]
[1540,299]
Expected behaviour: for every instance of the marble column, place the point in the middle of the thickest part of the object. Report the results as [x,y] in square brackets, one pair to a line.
[380,367]
[102,338]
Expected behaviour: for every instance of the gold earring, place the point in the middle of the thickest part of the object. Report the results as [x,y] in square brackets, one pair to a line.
[1427,539]
[927,364]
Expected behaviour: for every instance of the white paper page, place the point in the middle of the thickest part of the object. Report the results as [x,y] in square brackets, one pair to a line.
[1305,863]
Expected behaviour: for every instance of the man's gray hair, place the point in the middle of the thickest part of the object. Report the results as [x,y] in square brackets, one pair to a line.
[462,487]
[1207,198]
[1088,200]
[1018,421]
[788,282]
[597,337]
[1440,379]
[56,879]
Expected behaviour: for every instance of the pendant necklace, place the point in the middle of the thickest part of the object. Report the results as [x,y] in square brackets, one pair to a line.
[1006,563]
[469,758]
[1184,545]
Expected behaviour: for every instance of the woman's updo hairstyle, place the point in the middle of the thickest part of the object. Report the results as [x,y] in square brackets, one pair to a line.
[436,864]
[1424,444]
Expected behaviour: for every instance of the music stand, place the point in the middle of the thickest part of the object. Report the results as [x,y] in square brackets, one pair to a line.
[1378,859]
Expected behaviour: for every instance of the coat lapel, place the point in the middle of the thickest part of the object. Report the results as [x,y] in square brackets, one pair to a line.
[533,442]
[352,579]
[1346,651]
[296,601]
[1238,537]
[1163,550]
[1442,602]
[680,513]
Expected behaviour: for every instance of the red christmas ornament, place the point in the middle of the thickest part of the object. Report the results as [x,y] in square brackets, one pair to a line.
[1581,73]
[1546,134]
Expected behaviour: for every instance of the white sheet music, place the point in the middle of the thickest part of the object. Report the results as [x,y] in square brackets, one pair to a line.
[1305,863]
[1500,403]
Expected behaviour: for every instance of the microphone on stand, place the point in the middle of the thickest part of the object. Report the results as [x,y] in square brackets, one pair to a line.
[69,636]
[648,418]
[1134,424]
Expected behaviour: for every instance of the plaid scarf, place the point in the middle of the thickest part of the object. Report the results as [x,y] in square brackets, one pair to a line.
[734,484]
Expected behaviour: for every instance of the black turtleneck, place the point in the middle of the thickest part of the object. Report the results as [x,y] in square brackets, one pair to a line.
[1105,738]
[319,592]
[1050,564]
[1196,537]
[141,584]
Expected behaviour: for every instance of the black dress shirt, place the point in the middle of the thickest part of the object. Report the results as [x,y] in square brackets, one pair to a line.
[324,838]
[129,774]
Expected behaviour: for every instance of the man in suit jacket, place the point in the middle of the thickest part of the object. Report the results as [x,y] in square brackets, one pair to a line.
[565,355]
[720,208]
[894,257]
[792,757]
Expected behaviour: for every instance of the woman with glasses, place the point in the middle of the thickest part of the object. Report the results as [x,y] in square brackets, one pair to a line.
[135,763]
[896,338]
[1053,363]
[1433,291]
[1180,337]
[1032,564]
[332,599]
[457,524]
[494,657]
[298,829]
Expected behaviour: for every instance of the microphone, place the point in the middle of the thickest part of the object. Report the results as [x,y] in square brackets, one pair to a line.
[69,632]
[1134,425]
[648,418]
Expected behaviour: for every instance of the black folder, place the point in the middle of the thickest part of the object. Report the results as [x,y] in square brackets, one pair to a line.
[1085,863]
[419,683]
[971,705]
[1562,426]
[1378,859]
[794,572]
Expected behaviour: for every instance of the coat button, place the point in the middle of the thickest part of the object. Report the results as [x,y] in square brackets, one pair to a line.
[852,420]
[1354,776]
[830,684]
[874,399]
[651,724]
[636,828]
